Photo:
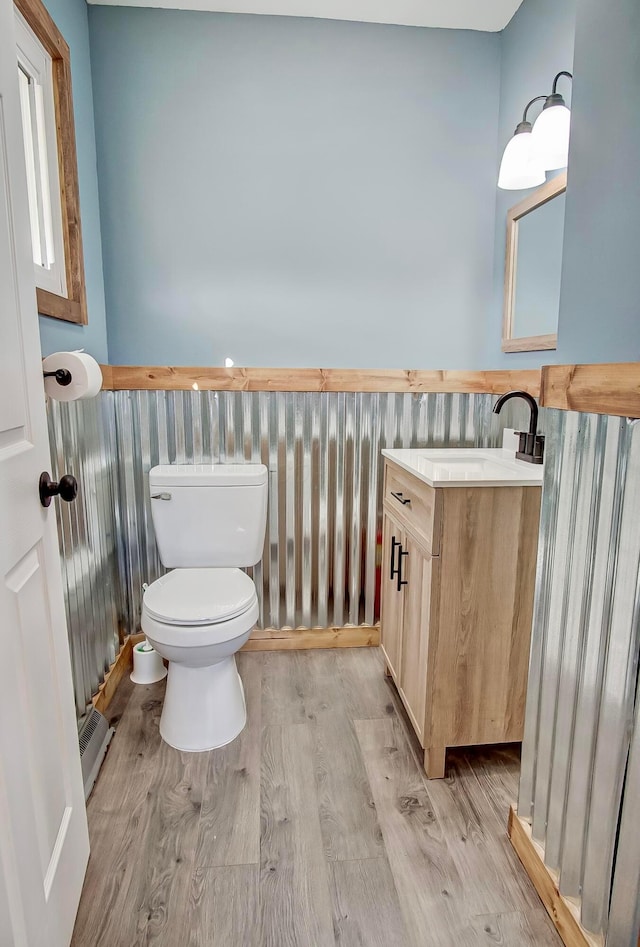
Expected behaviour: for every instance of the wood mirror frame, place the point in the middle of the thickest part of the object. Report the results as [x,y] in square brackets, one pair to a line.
[542,195]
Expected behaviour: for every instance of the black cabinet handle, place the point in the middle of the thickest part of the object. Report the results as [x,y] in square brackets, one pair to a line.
[67,489]
[401,581]
[394,545]
[396,569]
[398,496]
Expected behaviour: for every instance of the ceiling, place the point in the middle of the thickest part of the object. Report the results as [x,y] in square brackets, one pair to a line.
[489,15]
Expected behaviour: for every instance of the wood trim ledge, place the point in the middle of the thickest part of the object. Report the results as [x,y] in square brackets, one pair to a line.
[610,388]
[120,667]
[172,378]
[301,639]
[601,389]
[563,912]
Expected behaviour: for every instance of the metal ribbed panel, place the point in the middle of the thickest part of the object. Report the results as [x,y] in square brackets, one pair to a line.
[624,921]
[583,669]
[619,684]
[323,454]
[325,479]
[82,440]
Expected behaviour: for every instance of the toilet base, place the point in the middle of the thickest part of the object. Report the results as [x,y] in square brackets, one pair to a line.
[204,707]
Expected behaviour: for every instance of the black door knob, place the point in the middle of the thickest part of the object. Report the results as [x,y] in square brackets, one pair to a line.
[67,488]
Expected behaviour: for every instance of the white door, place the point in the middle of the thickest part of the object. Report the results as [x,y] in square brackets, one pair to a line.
[44,843]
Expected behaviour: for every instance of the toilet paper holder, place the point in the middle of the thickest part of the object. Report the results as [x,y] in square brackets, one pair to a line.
[63,376]
[70,376]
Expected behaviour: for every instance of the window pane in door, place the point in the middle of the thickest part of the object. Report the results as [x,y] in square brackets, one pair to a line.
[46,220]
[32,187]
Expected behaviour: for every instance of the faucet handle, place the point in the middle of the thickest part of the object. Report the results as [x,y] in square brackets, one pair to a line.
[530,447]
[522,446]
[538,448]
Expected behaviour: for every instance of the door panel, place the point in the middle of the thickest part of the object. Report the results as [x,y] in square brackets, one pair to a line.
[43,827]
[418,570]
[43,744]
[391,604]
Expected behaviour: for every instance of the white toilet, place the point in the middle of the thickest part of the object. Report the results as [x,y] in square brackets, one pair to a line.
[209,521]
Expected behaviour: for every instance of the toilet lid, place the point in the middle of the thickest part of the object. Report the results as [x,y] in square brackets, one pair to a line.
[199,596]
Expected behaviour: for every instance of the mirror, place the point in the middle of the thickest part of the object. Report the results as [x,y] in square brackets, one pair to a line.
[535,230]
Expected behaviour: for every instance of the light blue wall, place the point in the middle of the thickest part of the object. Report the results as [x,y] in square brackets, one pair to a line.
[294,191]
[310,192]
[70,17]
[536,45]
[600,297]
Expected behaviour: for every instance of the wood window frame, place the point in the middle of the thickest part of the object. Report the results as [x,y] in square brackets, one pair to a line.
[73,307]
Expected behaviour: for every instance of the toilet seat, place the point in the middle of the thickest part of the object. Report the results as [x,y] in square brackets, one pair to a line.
[193,637]
[195,597]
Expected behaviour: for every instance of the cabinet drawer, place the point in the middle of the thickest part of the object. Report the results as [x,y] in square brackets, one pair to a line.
[415,504]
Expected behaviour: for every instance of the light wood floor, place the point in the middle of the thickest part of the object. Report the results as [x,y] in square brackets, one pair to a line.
[314,828]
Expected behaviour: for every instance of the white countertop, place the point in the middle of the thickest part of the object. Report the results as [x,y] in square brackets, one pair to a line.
[467,467]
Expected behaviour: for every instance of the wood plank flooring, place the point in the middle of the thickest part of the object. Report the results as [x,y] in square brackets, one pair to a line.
[314,828]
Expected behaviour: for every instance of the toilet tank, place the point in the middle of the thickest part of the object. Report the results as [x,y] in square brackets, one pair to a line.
[209,514]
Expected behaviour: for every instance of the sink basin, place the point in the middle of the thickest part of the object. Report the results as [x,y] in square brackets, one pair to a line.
[471,463]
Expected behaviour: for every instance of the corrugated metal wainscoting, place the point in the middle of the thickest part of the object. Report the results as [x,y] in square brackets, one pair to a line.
[325,476]
[83,443]
[323,454]
[584,671]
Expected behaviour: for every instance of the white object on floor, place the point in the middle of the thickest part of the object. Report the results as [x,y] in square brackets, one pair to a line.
[210,521]
[148,666]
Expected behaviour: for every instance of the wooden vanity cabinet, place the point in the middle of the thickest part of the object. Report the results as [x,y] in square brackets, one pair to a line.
[458,574]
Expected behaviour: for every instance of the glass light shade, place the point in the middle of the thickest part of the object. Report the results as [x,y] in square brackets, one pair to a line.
[520,167]
[551,137]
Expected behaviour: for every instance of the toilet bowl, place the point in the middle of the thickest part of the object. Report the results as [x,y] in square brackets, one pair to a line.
[198,619]
[209,522]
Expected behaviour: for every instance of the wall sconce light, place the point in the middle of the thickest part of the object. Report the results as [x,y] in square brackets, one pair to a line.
[536,149]
[520,167]
[551,130]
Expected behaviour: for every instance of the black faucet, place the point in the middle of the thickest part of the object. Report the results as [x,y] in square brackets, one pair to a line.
[531,446]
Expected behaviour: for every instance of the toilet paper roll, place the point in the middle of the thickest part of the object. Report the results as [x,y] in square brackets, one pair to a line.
[86,377]
[148,666]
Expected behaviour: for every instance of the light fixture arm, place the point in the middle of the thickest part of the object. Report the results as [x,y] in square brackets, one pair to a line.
[555,81]
[555,98]
[538,98]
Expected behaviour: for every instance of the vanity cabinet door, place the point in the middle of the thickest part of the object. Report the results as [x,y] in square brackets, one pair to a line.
[420,573]
[391,596]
